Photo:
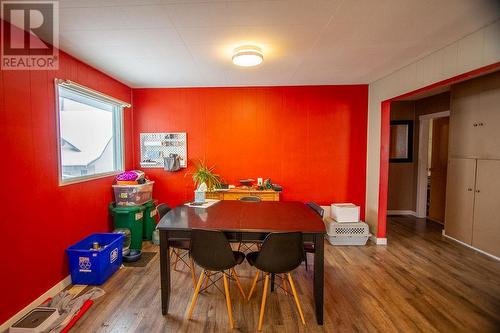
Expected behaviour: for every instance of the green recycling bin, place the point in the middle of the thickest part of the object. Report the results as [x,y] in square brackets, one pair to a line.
[149,223]
[130,217]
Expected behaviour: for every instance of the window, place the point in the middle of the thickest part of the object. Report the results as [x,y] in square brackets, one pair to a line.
[90,138]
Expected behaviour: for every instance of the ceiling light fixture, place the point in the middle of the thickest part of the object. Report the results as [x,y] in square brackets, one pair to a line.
[247,56]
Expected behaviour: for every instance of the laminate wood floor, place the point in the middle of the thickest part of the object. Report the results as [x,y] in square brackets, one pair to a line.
[420,282]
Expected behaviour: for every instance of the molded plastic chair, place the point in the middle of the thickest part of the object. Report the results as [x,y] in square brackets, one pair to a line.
[162,209]
[247,246]
[317,208]
[309,247]
[251,199]
[281,253]
[211,251]
[178,248]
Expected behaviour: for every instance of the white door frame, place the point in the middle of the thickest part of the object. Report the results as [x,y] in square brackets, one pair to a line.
[423,146]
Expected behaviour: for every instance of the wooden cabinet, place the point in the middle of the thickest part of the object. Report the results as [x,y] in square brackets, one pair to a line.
[488,133]
[473,203]
[460,199]
[486,226]
[473,183]
[236,194]
[463,116]
[475,118]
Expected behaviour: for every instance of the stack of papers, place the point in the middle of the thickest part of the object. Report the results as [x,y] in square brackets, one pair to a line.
[208,203]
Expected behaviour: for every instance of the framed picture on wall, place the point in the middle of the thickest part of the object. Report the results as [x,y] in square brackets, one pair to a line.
[401,144]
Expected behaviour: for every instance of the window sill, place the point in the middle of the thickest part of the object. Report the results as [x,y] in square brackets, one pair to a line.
[87,178]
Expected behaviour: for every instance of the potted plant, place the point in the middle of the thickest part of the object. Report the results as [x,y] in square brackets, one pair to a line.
[204,180]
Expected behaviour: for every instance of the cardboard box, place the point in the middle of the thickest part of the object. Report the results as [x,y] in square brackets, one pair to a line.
[345,212]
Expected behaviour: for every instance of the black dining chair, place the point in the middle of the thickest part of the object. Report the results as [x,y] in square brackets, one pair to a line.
[247,246]
[309,247]
[162,209]
[280,254]
[251,199]
[211,250]
[178,248]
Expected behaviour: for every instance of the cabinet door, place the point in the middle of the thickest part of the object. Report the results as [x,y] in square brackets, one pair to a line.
[464,120]
[488,141]
[486,228]
[460,199]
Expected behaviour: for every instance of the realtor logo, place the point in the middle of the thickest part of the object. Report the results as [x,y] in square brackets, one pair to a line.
[30,35]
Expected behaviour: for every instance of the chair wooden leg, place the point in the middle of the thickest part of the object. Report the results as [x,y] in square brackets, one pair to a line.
[283,283]
[263,304]
[228,301]
[254,283]
[239,246]
[207,279]
[296,298]
[195,295]
[238,282]
[193,275]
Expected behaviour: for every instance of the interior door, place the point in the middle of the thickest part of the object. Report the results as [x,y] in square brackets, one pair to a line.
[460,199]
[439,166]
[486,228]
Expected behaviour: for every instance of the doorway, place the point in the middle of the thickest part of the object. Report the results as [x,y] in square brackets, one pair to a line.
[432,166]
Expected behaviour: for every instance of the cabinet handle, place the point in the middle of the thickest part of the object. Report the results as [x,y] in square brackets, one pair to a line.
[469,189]
[477,191]
[481,124]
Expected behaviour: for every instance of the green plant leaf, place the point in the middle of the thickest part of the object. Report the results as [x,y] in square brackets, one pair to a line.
[205,174]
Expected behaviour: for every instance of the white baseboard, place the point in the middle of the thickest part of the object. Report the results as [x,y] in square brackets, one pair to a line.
[378,240]
[49,293]
[401,212]
[471,247]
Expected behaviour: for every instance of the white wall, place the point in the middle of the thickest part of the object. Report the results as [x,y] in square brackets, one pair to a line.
[476,50]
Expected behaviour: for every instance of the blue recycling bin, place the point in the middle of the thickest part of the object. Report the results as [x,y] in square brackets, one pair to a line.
[94,267]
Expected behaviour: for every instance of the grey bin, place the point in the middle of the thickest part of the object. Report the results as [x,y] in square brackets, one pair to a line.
[172,163]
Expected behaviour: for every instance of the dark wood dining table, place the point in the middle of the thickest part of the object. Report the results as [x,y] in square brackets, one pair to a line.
[247,222]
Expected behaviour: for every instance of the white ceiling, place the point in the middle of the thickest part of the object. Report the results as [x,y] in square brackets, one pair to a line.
[169,43]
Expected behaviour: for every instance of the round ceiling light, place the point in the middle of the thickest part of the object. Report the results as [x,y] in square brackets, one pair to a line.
[247,56]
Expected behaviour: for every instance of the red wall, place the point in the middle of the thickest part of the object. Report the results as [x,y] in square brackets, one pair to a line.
[310,139]
[40,219]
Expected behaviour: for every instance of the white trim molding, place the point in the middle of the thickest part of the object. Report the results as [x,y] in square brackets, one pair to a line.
[378,240]
[471,247]
[423,163]
[61,285]
[401,212]
[435,115]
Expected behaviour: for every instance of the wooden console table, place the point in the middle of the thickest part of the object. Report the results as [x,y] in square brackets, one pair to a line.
[237,193]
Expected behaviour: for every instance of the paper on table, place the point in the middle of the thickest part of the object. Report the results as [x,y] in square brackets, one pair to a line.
[208,203]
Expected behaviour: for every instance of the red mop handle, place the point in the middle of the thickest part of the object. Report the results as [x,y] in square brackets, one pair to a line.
[88,303]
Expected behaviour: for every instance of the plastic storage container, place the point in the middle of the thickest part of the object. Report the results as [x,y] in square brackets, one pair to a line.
[149,223]
[130,218]
[94,267]
[345,212]
[356,233]
[38,320]
[133,195]
[126,240]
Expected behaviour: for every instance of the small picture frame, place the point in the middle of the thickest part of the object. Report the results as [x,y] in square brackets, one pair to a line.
[401,141]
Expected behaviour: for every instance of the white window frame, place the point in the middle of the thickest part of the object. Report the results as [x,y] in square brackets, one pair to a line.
[118,129]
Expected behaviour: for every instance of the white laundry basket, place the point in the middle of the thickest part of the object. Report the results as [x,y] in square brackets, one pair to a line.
[347,233]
